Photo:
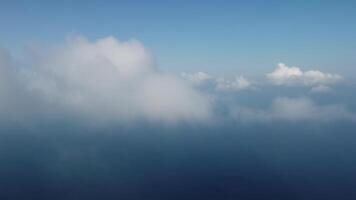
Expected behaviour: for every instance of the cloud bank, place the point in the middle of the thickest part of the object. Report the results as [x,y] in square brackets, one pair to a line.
[117,81]
[106,79]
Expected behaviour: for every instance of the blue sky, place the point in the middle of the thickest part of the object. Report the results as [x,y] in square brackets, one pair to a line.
[239,37]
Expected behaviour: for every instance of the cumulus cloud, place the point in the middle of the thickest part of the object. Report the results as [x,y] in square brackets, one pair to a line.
[285,75]
[293,109]
[109,79]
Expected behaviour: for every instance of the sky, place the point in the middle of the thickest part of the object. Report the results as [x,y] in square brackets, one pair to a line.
[177,100]
[221,38]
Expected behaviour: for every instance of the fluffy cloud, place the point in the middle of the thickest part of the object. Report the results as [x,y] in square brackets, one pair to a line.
[285,75]
[294,109]
[108,80]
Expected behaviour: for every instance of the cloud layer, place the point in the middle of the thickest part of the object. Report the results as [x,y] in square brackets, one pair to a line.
[117,81]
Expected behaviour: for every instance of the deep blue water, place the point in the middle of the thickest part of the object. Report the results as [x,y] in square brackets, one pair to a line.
[231,161]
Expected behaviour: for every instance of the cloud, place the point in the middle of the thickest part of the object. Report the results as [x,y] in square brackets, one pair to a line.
[320,89]
[289,76]
[240,83]
[293,109]
[219,83]
[117,81]
[108,80]
[14,101]
[167,98]
[198,78]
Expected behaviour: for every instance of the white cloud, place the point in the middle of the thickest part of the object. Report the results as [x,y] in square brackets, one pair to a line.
[285,75]
[219,84]
[163,97]
[198,78]
[240,83]
[111,80]
[293,109]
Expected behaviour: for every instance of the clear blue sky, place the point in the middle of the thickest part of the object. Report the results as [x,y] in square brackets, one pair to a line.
[219,37]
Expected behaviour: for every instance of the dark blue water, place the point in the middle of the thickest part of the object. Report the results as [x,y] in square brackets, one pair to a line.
[250,161]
